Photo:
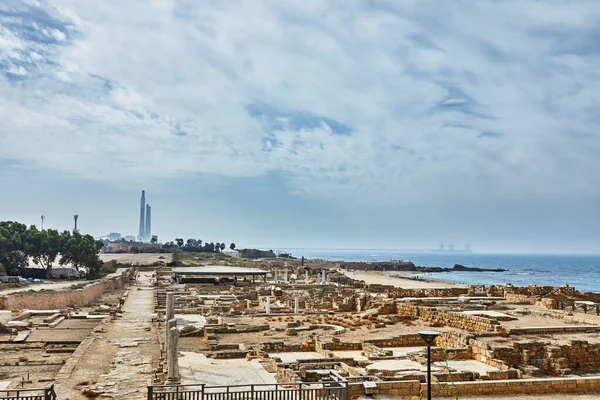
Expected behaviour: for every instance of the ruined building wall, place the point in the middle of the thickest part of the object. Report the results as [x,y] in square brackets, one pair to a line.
[63,298]
[446,318]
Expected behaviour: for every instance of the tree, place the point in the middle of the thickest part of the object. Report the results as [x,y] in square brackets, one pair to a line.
[13,237]
[179,242]
[222,246]
[232,246]
[80,251]
[153,240]
[217,247]
[43,246]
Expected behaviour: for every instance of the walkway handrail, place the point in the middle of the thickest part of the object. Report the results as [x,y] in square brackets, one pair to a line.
[45,393]
[328,390]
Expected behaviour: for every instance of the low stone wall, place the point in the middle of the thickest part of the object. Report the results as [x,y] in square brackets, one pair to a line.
[374,352]
[453,340]
[519,298]
[480,388]
[519,386]
[410,340]
[446,318]
[553,330]
[337,344]
[63,298]
[282,347]
[395,292]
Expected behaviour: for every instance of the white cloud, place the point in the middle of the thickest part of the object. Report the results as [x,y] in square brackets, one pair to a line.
[163,89]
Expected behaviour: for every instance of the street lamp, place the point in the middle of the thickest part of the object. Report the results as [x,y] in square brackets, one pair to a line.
[428,337]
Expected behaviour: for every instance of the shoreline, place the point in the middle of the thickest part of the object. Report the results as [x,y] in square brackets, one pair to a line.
[406,282]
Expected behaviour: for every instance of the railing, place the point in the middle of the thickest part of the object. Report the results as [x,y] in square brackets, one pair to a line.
[46,393]
[294,391]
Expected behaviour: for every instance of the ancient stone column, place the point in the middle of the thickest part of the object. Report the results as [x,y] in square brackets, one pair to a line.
[285,275]
[327,281]
[323,277]
[296,304]
[172,323]
[170,312]
[268,306]
[172,356]
[276,276]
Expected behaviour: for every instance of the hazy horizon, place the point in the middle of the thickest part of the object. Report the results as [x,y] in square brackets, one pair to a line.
[280,124]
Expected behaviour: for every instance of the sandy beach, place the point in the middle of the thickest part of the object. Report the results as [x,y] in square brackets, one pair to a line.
[395,278]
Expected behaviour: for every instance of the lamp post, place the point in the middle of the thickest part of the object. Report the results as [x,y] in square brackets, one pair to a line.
[428,337]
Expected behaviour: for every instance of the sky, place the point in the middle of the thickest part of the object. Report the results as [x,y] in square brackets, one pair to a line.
[279,123]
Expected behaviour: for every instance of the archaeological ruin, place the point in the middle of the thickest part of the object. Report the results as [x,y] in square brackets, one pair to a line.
[283,330]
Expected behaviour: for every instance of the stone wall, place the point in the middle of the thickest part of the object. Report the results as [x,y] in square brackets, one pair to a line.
[519,298]
[282,347]
[447,318]
[337,344]
[410,340]
[394,292]
[63,298]
[479,388]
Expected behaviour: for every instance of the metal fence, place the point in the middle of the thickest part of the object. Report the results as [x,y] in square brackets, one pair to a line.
[294,391]
[46,393]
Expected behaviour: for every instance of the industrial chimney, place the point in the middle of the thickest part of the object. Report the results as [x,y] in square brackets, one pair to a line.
[148,233]
[142,231]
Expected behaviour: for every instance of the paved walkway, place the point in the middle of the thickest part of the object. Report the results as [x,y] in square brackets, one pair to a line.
[197,368]
[116,361]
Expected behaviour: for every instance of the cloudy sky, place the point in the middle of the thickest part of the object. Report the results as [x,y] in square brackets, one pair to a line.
[283,123]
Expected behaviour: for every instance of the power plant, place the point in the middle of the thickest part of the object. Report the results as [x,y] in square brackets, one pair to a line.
[145,231]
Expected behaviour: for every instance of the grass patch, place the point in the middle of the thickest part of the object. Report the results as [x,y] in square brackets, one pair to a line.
[78,286]
[31,291]
[107,269]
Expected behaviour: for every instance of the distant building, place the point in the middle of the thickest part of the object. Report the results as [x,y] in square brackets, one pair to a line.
[232,253]
[114,236]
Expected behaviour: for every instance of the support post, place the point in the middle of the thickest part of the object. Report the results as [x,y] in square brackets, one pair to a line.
[296,304]
[428,371]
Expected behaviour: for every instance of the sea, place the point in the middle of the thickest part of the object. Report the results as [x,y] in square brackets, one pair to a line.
[580,271]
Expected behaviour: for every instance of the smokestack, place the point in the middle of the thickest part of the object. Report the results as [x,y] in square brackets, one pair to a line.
[148,222]
[142,216]
[75,217]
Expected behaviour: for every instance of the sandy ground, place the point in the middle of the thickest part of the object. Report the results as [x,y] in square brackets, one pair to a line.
[404,283]
[54,285]
[49,285]
[137,259]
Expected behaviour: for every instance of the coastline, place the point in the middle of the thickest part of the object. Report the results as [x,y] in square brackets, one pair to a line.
[579,271]
[396,279]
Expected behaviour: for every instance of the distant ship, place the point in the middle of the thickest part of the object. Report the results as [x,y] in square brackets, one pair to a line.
[451,249]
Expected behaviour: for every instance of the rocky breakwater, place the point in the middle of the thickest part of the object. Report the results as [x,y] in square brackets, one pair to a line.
[404,266]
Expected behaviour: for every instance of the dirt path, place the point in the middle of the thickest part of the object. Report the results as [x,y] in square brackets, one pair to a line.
[118,360]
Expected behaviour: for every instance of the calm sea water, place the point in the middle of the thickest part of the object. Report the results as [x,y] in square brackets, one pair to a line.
[582,272]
